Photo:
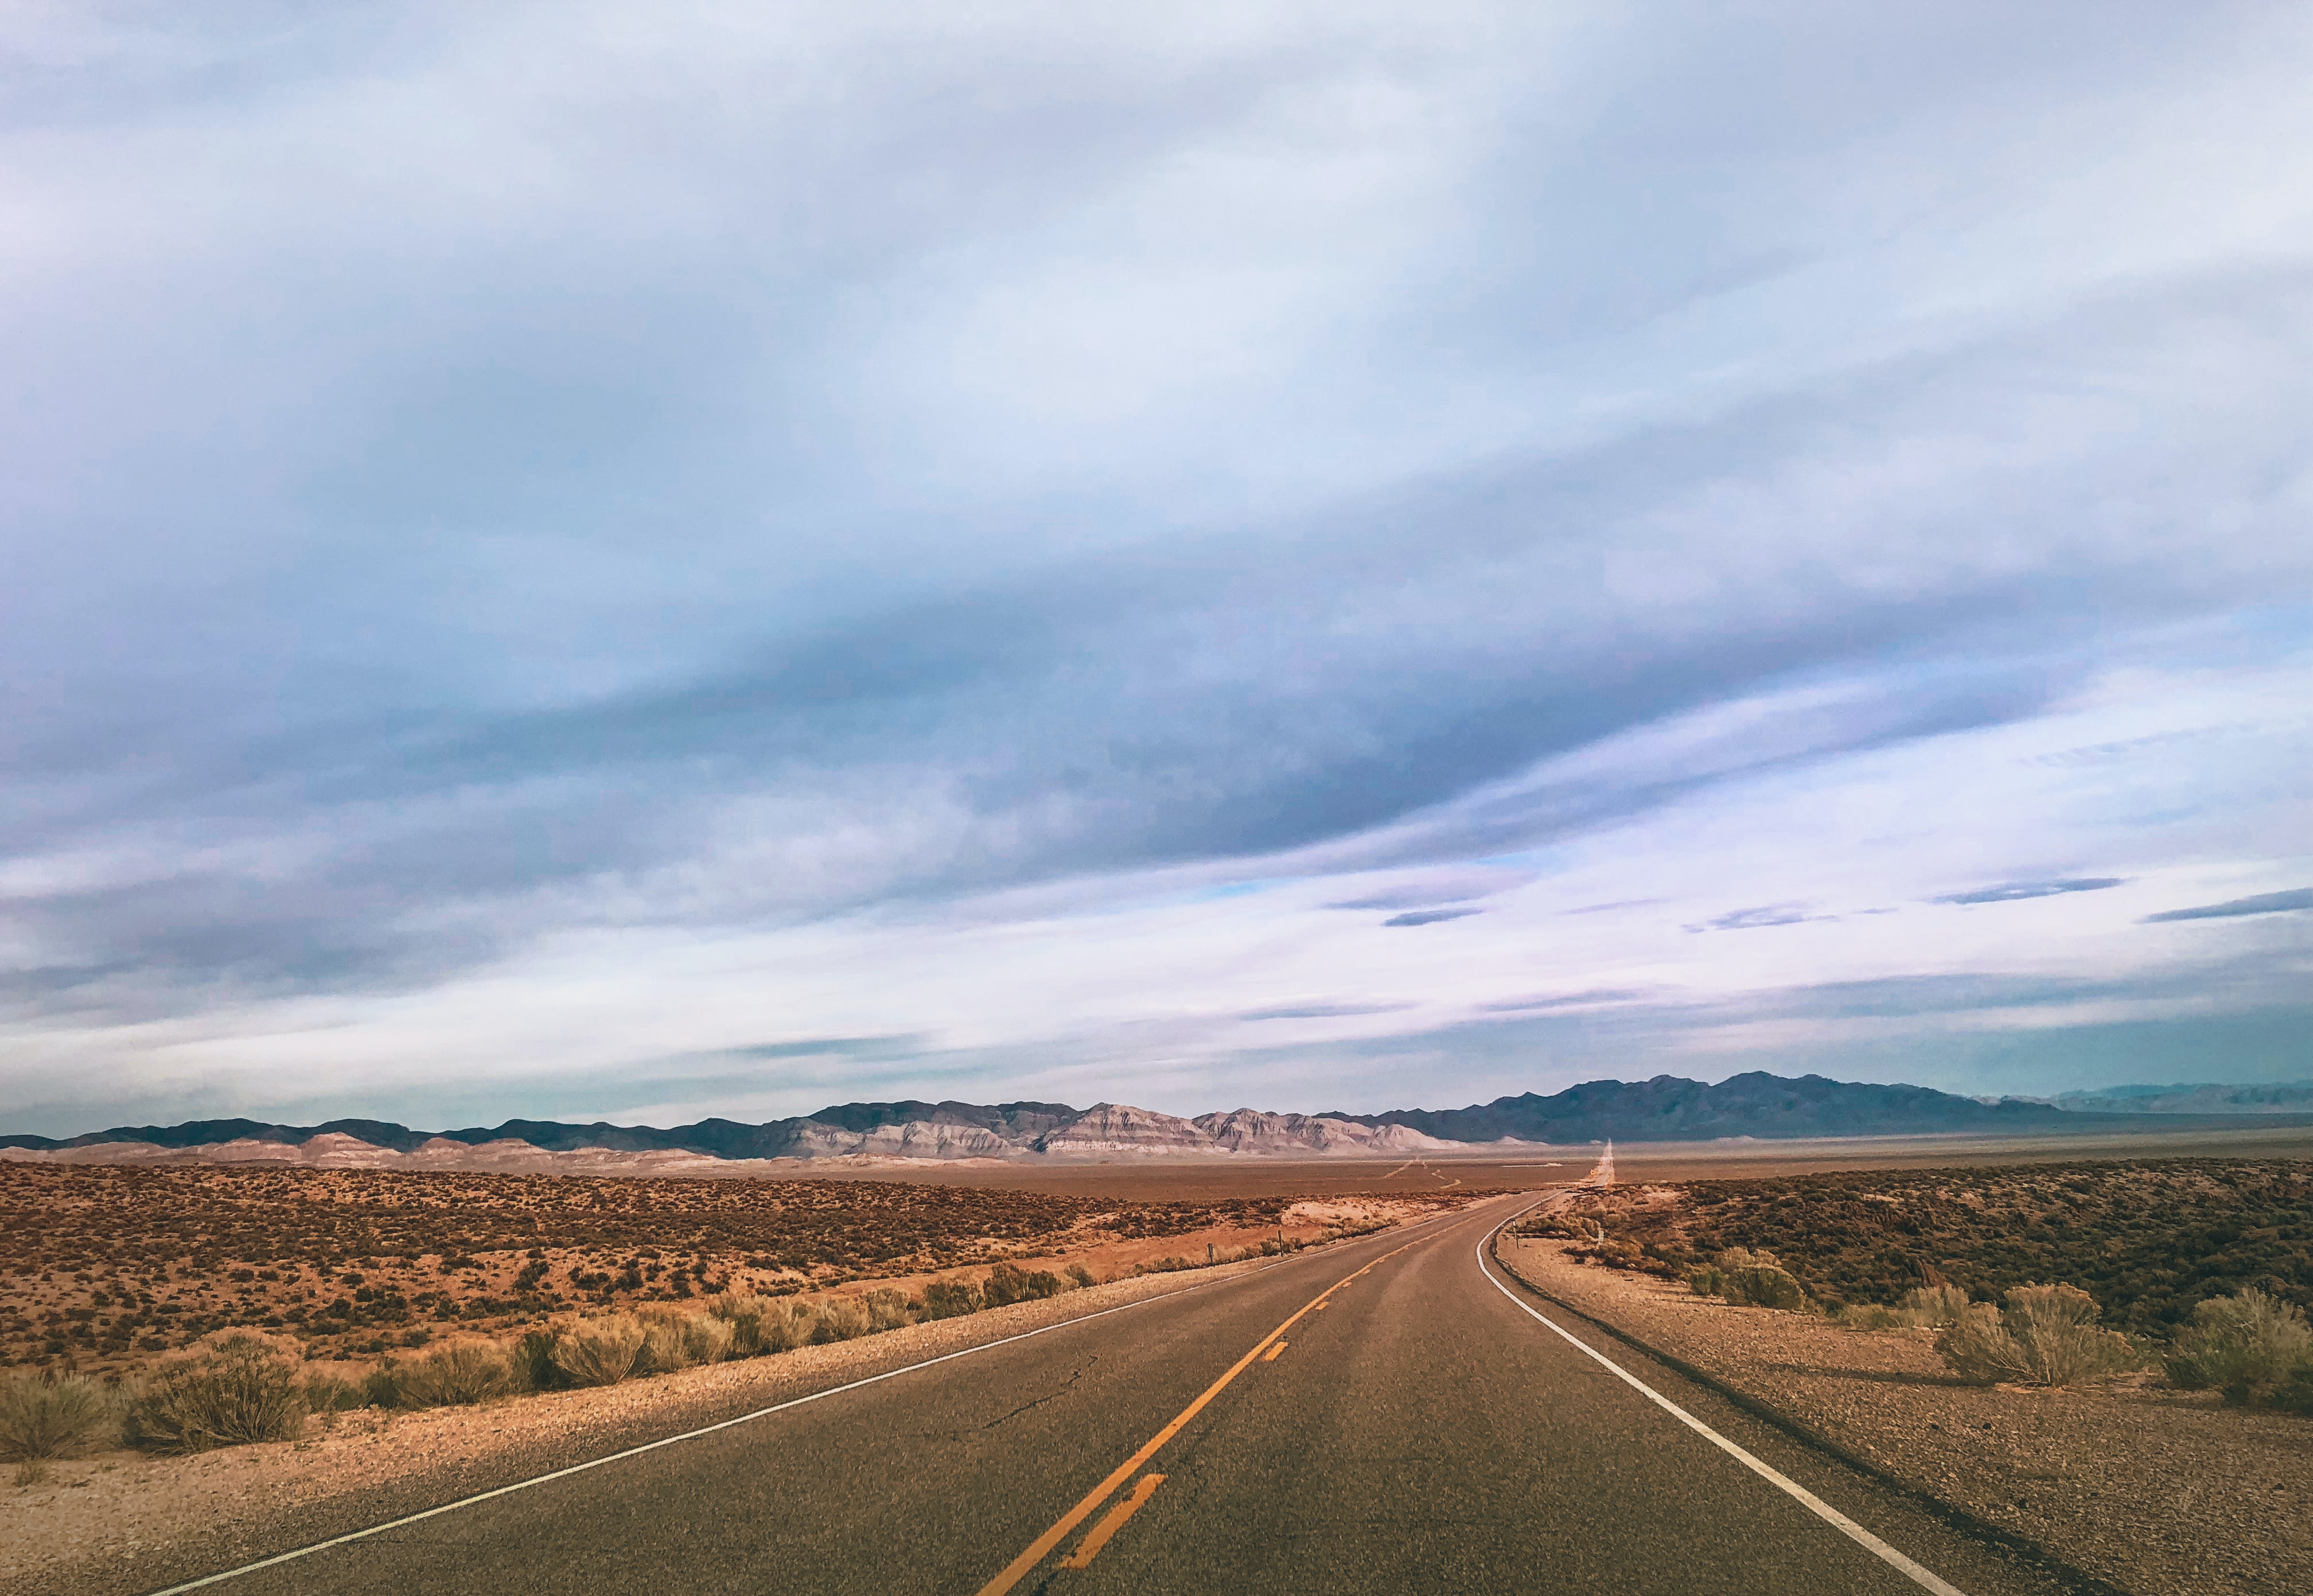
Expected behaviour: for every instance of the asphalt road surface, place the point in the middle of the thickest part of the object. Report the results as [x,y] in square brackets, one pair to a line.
[1378,1416]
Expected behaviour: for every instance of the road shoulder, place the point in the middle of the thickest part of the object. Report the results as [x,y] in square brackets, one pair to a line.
[2152,1491]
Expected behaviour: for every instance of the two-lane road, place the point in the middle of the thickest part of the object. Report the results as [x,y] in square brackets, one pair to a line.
[1379,1416]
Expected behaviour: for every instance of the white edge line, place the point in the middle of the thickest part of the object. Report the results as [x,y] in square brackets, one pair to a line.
[1807,1499]
[632,1451]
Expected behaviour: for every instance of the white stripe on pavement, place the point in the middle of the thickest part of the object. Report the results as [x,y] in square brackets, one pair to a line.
[1924,1578]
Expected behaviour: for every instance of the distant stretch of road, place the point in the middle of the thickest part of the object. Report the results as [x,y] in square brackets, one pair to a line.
[1384,1416]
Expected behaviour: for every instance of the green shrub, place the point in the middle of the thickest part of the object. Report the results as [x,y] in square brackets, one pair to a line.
[951,1299]
[239,1388]
[2247,1345]
[599,1351]
[44,1417]
[2043,1335]
[454,1376]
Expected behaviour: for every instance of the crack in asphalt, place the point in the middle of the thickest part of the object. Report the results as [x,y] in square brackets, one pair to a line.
[1006,1418]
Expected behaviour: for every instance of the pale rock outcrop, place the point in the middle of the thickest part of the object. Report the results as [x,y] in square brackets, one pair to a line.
[1119,1128]
[1249,1130]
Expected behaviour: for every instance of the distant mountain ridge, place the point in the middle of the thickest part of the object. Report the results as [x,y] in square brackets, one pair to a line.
[1667,1108]
[2287,1097]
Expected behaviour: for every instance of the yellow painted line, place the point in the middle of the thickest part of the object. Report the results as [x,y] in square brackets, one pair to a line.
[1041,1547]
[1271,1355]
[1082,1556]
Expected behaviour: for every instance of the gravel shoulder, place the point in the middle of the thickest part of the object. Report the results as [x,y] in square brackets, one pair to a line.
[124,1522]
[2155,1490]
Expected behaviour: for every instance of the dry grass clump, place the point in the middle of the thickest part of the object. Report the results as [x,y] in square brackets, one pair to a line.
[239,1388]
[674,1340]
[45,1416]
[1755,1278]
[951,1299]
[456,1375]
[841,1319]
[2253,1347]
[749,1318]
[333,1393]
[1009,1282]
[1922,1306]
[2041,1335]
[888,1308]
[599,1351]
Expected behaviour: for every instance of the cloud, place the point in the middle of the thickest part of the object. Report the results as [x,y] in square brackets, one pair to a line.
[2264,903]
[1765,915]
[1323,1011]
[1567,1000]
[2014,891]
[534,515]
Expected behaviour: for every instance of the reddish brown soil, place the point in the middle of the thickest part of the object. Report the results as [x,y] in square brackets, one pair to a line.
[106,1265]
[2148,1238]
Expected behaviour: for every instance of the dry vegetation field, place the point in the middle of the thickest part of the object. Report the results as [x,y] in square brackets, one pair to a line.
[2148,1239]
[105,1266]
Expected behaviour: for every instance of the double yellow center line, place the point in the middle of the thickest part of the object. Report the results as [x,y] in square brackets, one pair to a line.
[1041,1547]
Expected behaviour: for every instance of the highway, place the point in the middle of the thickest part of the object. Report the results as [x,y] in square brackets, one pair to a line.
[1382,1415]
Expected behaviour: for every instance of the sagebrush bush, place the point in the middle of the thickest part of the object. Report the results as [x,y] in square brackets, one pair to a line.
[673,1339]
[1755,1278]
[1935,1304]
[951,1299]
[2295,1394]
[453,1376]
[745,1313]
[531,1356]
[1009,1283]
[840,1318]
[44,1417]
[1922,1305]
[331,1393]
[2041,1335]
[888,1308]
[599,1351]
[1082,1276]
[240,1388]
[2247,1345]
[1766,1285]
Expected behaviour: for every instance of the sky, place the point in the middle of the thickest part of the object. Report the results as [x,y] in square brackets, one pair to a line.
[583,561]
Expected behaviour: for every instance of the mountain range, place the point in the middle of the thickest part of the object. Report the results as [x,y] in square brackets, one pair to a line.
[1667,1108]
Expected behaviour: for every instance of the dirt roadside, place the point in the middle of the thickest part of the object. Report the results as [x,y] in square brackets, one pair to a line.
[2157,1491]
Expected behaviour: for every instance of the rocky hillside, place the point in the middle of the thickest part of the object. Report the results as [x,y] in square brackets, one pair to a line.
[1664,1109]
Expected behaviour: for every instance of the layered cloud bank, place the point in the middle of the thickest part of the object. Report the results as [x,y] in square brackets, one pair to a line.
[569,564]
